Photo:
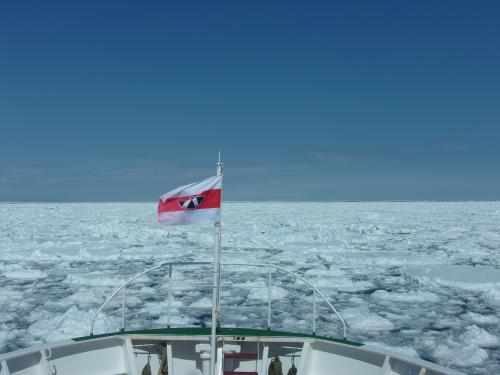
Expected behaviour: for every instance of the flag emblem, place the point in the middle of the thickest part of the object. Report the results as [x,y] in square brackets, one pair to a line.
[191,203]
[196,203]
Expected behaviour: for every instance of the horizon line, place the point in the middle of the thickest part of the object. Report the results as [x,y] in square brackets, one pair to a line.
[279,201]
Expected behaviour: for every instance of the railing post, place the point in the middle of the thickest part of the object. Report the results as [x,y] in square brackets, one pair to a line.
[169,294]
[269,297]
[314,311]
[123,307]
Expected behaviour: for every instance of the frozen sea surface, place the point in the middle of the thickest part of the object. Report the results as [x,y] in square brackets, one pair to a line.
[419,278]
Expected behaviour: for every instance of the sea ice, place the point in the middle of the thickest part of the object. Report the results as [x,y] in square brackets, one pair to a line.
[366,322]
[458,276]
[27,274]
[407,297]
[407,351]
[480,337]
[424,277]
[461,356]
[73,323]
[481,319]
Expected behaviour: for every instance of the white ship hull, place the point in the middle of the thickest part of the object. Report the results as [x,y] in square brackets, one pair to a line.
[239,352]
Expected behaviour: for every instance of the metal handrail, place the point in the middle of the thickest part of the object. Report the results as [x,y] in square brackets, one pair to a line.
[269,286]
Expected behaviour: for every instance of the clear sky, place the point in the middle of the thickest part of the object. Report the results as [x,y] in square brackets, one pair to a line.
[310,100]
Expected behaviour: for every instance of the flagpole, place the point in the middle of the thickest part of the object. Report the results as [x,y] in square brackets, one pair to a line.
[216,279]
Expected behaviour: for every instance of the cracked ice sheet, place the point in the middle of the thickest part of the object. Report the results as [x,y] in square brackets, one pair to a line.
[417,276]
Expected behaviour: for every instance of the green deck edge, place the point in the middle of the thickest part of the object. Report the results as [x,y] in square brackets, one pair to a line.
[200,331]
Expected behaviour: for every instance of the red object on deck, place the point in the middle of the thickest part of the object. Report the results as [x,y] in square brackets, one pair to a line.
[240,355]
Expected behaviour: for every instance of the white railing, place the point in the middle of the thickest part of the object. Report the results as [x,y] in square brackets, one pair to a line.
[308,303]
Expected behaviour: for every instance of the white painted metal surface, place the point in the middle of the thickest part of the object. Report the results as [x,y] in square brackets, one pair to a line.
[187,355]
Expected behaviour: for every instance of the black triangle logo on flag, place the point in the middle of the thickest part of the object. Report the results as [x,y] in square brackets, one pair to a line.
[191,203]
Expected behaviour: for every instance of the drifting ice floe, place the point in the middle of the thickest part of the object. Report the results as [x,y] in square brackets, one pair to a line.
[406,297]
[480,337]
[26,274]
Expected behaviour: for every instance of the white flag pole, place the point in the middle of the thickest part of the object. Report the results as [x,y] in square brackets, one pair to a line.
[216,279]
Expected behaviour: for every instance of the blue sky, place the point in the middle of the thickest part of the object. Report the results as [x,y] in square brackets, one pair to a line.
[361,100]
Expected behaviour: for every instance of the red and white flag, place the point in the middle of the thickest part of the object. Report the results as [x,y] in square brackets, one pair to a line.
[196,203]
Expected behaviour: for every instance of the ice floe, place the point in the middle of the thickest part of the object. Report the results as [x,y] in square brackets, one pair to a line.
[364,321]
[460,356]
[480,337]
[407,297]
[27,274]
[407,351]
